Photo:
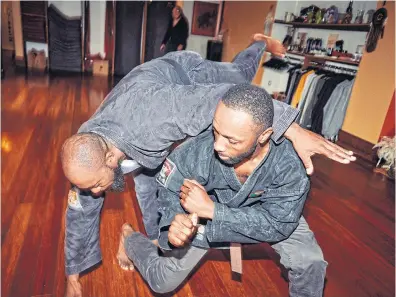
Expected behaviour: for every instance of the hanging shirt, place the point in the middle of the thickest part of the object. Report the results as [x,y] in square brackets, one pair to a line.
[306,116]
[335,110]
[308,95]
[295,77]
[299,90]
[324,95]
[308,83]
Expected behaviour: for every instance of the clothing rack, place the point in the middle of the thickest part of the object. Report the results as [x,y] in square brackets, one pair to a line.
[295,57]
[331,66]
[312,60]
[321,90]
[317,62]
[345,69]
[304,60]
[335,64]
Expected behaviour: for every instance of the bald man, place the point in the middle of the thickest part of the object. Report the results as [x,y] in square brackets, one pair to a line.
[156,105]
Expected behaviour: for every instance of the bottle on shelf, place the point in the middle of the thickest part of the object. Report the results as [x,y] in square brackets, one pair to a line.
[349,8]
[319,45]
[308,47]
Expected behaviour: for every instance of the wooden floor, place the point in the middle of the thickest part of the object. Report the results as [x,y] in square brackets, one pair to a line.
[350,209]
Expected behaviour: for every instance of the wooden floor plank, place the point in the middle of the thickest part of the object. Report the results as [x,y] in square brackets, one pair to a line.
[13,244]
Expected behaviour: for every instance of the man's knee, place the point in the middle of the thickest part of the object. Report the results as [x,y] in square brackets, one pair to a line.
[163,289]
[168,272]
[164,286]
[309,259]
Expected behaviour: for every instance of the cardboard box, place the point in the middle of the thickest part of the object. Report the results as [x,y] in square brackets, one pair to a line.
[101,67]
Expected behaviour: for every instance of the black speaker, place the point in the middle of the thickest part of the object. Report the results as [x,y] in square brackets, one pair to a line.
[214,50]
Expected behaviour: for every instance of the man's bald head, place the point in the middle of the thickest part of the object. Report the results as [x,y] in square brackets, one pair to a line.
[83,152]
[91,164]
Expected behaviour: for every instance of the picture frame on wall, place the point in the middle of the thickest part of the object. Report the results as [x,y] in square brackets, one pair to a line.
[204,20]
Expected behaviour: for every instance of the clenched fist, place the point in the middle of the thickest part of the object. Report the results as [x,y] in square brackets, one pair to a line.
[182,229]
[194,199]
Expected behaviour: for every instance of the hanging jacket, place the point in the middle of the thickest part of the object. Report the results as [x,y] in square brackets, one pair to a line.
[335,110]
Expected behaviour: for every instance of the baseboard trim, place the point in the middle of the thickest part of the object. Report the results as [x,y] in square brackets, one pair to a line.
[362,148]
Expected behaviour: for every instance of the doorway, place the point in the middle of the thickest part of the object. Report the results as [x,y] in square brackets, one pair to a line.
[159,14]
[128,33]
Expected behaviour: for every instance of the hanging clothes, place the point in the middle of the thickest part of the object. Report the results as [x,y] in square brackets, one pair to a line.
[335,110]
[305,116]
[321,95]
[295,79]
[307,98]
[299,90]
[308,85]
[324,96]
[292,77]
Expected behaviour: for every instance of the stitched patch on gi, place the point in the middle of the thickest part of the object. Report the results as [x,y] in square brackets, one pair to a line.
[166,172]
[256,194]
[73,199]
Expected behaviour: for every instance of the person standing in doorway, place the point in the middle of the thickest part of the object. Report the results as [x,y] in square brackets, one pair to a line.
[176,35]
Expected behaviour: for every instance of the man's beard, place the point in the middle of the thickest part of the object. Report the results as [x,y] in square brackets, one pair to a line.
[119,181]
[238,159]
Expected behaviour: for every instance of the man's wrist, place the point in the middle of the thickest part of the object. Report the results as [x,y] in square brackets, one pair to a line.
[210,212]
[73,277]
[291,132]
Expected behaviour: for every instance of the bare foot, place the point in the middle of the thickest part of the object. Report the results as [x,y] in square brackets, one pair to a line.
[123,260]
[273,46]
[259,37]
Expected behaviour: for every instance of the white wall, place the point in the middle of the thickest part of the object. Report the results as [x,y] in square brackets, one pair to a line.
[97,20]
[69,8]
[196,43]
[97,26]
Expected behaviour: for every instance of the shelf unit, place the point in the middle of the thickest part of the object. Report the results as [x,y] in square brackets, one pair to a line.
[324,59]
[341,27]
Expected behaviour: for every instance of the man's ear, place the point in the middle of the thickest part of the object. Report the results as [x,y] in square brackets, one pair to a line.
[110,159]
[265,136]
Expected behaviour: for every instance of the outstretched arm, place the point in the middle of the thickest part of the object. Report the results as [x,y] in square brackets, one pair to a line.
[82,249]
[307,144]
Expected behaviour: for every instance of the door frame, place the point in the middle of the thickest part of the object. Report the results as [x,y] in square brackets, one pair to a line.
[110,29]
